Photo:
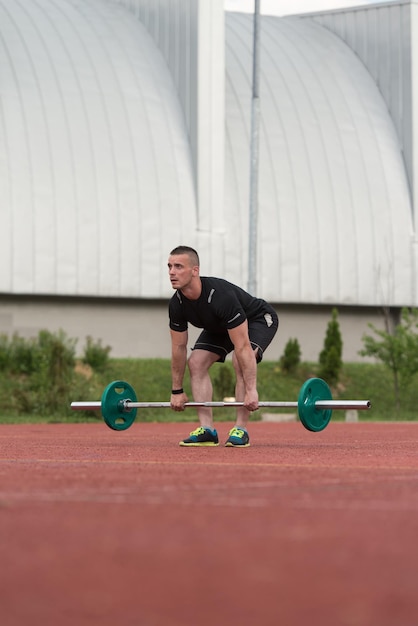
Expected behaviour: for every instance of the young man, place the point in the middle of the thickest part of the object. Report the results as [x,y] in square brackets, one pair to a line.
[232,320]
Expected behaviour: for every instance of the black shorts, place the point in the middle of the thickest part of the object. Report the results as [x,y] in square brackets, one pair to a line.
[260,331]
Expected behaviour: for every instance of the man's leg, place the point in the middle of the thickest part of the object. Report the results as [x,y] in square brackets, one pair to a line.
[261,333]
[199,363]
[243,415]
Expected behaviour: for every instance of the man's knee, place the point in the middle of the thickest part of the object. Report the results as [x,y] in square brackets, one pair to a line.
[200,361]
[192,362]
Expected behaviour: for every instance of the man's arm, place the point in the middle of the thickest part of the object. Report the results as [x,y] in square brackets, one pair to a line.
[178,366]
[247,362]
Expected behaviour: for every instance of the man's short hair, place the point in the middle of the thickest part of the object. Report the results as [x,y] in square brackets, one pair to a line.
[191,252]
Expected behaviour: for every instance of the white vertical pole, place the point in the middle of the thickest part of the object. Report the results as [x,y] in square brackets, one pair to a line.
[255,124]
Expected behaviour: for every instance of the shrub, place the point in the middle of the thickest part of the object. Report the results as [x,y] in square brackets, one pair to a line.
[330,358]
[39,375]
[397,349]
[96,355]
[50,384]
[17,355]
[290,359]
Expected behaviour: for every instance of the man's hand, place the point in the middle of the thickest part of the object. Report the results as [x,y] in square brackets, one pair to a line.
[178,401]
[251,400]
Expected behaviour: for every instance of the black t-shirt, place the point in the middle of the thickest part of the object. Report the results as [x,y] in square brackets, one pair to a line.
[220,307]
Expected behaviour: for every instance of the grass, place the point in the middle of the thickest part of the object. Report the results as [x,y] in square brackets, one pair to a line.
[151,380]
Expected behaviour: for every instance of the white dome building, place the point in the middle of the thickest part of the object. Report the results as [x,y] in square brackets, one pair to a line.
[125,130]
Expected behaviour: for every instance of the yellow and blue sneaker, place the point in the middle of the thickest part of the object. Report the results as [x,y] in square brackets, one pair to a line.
[201,437]
[238,438]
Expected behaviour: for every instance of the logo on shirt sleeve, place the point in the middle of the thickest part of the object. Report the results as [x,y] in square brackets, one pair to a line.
[234,318]
[269,319]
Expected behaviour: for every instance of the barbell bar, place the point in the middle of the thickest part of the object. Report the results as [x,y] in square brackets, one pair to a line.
[119,405]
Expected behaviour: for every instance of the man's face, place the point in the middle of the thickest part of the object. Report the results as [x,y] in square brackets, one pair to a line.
[181,271]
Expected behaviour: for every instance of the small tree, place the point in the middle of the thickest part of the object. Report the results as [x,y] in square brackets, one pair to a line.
[224,382]
[330,358]
[290,358]
[396,348]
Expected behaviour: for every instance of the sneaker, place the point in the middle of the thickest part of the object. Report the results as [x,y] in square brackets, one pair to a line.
[238,437]
[201,437]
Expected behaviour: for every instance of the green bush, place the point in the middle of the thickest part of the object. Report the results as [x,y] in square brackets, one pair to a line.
[330,358]
[96,355]
[40,374]
[17,355]
[290,359]
[397,349]
[51,381]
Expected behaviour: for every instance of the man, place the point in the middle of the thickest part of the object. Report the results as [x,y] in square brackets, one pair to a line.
[232,321]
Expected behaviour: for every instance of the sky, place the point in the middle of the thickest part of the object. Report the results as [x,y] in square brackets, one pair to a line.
[286,7]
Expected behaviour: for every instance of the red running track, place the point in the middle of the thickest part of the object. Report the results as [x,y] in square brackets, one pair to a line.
[126,528]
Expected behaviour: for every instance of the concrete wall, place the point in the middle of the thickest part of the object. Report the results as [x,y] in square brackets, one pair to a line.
[139,329]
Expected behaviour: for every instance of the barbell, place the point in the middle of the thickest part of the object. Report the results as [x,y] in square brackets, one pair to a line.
[119,405]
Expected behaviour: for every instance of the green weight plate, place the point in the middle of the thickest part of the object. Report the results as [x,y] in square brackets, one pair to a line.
[115,416]
[313,390]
